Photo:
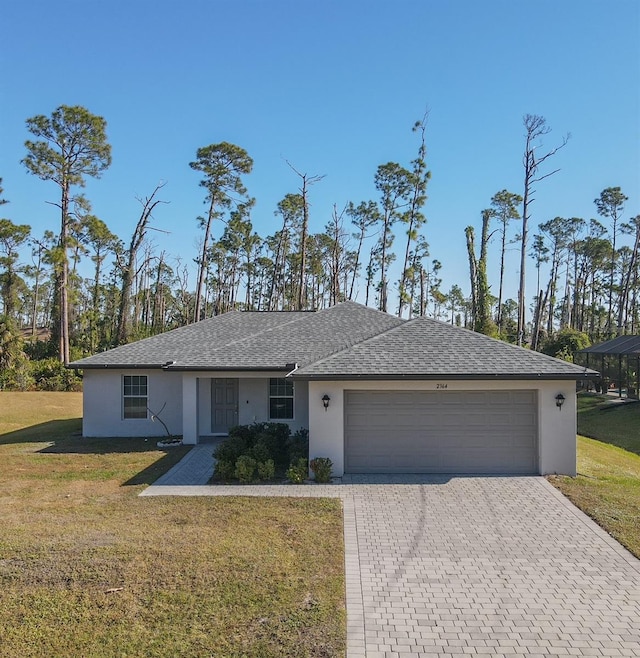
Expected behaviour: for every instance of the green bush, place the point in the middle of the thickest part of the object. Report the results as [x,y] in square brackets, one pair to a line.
[266,470]
[246,469]
[321,467]
[51,375]
[275,437]
[565,343]
[244,432]
[260,452]
[270,446]
[17,378]
[37,350]
[224,469]
[232,448]
[298,471]
[298,445]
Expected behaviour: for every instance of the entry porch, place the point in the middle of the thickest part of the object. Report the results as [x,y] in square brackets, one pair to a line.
[212,403]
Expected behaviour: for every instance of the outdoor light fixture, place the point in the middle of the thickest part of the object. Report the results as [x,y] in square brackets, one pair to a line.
[325,401]
[559,400]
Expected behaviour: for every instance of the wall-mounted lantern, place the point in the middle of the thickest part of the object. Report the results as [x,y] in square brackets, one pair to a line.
[325,401]
[559,400]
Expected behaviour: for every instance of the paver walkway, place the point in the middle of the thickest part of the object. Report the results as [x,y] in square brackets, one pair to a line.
[496,566]
[195,468]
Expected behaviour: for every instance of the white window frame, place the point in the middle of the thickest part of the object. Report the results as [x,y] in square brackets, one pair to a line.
[291,397]
[137,395]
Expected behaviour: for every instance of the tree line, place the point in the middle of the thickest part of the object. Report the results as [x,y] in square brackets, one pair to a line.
[589,282]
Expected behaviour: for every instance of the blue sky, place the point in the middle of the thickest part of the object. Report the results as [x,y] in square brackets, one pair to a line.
[334,87]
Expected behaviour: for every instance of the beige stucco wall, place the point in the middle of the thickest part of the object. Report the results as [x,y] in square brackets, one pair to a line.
[556,427]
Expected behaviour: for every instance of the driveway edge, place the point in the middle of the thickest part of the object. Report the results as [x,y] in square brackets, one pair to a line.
[608,539]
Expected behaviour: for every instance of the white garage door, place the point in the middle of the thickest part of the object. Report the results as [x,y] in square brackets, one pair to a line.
[441,432]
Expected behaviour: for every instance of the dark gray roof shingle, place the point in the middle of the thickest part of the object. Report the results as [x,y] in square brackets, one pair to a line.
[345,341]
[426,348]
[251,340]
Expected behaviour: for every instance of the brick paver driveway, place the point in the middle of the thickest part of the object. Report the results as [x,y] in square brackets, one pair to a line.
[474,565]
[494,566]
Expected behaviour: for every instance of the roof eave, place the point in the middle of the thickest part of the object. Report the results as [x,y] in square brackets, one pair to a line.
[118,366]
[449,377]
[176,368]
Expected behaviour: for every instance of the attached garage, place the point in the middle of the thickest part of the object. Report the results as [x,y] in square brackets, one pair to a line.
[441,431]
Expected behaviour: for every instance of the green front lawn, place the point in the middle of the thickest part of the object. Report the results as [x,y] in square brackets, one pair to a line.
[607,487]
[87,568]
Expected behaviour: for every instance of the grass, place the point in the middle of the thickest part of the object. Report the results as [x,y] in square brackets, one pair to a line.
[607,487]
[87,568]
[602,418]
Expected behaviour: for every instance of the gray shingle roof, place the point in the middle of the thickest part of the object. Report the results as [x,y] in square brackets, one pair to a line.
[345,341]
[425,348]
[251,340]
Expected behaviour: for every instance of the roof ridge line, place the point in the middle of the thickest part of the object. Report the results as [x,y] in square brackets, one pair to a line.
[364,340]
[490,338]
[263,331]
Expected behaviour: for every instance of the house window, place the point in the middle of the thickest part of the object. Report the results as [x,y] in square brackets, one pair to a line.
[134,396]
[280,399]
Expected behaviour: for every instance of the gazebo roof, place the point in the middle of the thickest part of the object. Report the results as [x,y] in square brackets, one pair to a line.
[622,345]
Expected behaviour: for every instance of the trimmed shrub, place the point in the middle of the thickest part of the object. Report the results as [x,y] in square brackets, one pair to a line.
[298,471]
[266,470]
[275,437]
[321,467]
[244,432]
[268,449]
[298,445]
[224,469]
[260,452]
[246,469]
[232,448]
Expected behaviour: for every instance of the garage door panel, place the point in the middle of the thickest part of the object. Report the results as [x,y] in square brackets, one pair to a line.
[441,431]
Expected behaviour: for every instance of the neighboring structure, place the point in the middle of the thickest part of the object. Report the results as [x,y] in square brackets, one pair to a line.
[618,361]
[377,393]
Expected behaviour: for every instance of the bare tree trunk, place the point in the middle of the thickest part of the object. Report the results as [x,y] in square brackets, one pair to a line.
[204,254]
[473,272]
[535,128]
[128,269]
[624,292]
[500,289]
[63,295]
[306,182]
[36,290]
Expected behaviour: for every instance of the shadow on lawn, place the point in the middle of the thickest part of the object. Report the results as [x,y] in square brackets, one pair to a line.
[53,430]
[123,445]
[64,437]
[150,474]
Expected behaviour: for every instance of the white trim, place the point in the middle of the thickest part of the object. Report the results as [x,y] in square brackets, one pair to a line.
[123,396]
[292,397]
